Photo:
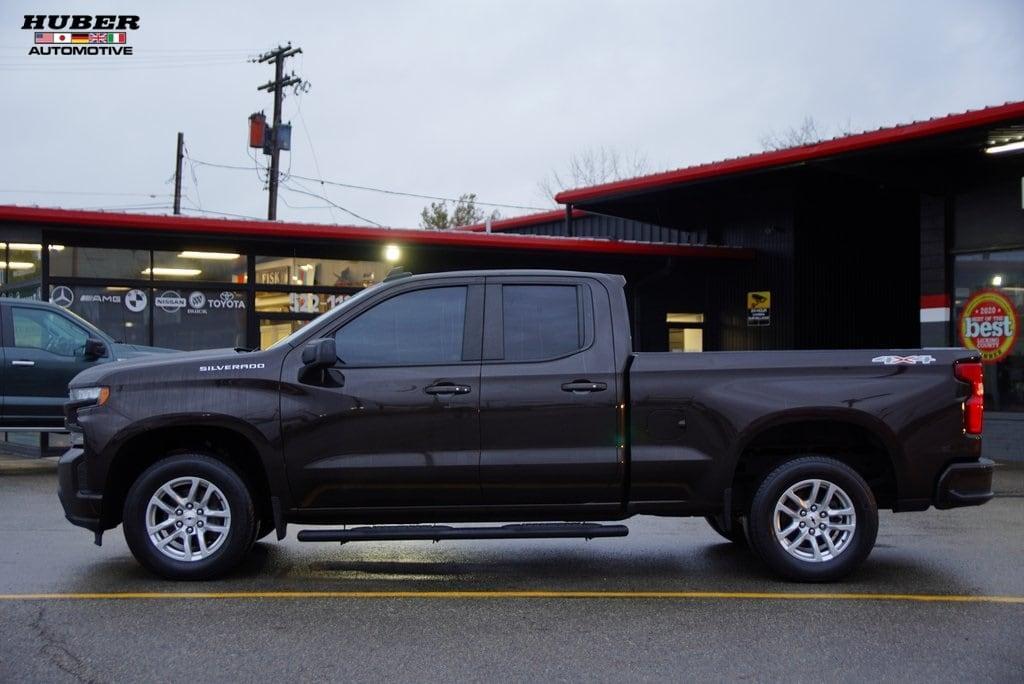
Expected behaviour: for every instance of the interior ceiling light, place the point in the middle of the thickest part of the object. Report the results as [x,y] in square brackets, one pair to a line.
[218,256]
[33,247]
[162,271]
[17,264]
[1006,147]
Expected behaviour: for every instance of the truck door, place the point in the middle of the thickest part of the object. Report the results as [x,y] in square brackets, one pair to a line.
[43,351]
[395,423]
[548,400]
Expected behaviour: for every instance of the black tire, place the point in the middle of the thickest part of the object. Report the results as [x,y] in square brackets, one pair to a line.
[735,534]
[761,522]
[237,540]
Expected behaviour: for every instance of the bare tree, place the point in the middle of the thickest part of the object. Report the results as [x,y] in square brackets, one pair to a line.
[807,133]
[794,136]
[593,167]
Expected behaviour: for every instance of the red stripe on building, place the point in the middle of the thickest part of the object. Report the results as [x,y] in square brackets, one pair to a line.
[299,231]
[934,301]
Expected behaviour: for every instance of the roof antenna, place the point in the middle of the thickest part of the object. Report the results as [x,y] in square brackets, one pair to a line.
[396,273]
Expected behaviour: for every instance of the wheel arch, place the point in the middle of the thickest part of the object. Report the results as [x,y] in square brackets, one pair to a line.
[159,437]
[853,437]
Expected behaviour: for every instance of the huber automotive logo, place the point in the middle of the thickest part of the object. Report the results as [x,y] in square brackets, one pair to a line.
[80,34]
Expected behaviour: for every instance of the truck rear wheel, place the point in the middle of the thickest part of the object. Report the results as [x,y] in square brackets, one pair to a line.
[189,517]
[813,519]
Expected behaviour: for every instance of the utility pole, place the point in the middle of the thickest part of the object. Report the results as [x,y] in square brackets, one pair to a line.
[279,83]
[177,173]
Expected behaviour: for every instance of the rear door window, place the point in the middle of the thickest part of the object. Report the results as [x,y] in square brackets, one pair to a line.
[540,321]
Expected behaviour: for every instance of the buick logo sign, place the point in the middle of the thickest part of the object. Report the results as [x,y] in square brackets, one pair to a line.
[135,300]
[62,295]
[196,300]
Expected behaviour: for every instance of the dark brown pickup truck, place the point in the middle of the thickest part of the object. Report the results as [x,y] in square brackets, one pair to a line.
[515,397]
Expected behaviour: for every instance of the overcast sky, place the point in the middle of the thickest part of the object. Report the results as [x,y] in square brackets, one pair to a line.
[442,98]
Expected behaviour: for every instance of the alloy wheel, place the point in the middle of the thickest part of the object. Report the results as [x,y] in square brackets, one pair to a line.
[188,519]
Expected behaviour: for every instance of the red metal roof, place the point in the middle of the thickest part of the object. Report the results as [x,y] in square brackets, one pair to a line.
[280,230]
[522,221]
[793,155]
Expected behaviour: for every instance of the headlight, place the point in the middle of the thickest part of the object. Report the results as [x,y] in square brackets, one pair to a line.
[97,395]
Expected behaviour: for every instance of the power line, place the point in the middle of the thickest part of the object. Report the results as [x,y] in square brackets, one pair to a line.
[381,190]
[84,192]
[329,201]
[305,129]
[222,213]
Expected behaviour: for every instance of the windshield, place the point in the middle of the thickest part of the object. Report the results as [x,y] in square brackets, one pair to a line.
[290,339]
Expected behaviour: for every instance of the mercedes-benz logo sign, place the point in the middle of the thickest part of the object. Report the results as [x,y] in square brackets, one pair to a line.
[62,295]
[135,300]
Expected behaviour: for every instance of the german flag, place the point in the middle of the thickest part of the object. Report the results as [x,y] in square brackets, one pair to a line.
[79,37]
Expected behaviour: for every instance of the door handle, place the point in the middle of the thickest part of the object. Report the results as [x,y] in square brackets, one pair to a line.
[584,387]
[20,362]
[447,388]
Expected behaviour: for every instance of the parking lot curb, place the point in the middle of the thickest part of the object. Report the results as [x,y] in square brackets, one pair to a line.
[20,465]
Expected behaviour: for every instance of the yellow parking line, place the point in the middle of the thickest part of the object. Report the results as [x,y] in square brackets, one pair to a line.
[513,594]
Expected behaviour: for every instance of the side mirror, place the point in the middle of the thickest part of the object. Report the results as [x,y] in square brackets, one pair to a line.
[319,354]
[94,349]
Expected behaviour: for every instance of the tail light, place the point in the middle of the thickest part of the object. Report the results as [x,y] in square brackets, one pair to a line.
[974,406]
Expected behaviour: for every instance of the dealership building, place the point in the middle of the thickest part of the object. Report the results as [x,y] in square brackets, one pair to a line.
[896,238]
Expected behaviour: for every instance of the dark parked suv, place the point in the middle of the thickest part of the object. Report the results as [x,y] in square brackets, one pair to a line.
[44,346]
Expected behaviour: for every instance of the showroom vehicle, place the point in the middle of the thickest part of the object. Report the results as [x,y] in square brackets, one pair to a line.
[44,346]
[515,397]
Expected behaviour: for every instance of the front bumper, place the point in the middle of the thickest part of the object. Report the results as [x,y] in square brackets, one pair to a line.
[965,484]
[82,507]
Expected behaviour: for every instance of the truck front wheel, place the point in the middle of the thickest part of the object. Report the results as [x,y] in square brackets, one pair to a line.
[813,519]
[189,517]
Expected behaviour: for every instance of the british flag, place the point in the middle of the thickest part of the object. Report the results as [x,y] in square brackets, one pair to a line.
[97,37]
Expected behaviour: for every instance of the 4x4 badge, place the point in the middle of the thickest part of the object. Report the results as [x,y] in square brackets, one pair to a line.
[924,359]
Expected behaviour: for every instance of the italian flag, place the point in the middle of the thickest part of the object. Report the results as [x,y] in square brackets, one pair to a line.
[117,37]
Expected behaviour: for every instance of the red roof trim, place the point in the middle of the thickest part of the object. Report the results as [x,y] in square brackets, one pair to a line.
[794,155]
[522,221]
[267,229]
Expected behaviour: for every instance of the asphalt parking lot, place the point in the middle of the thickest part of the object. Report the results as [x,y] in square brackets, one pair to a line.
[941,598]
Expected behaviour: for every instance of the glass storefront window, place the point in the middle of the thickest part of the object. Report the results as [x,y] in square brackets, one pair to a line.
[21,269]
[301,271]
[198,319]
[23,263]
[221,267]
[121,312]
[96,262]
[273,330]
[1001,273]
[299,302]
